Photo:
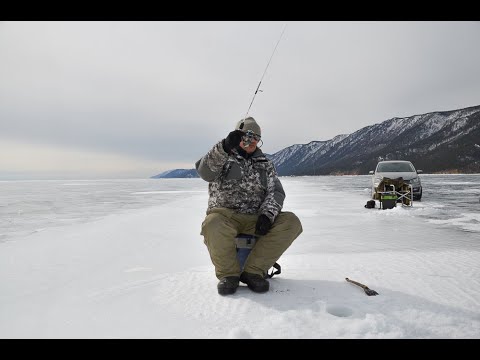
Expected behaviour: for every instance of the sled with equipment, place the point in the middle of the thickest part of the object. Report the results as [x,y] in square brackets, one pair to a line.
[391,192]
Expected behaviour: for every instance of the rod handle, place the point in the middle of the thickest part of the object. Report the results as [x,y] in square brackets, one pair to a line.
[357,283]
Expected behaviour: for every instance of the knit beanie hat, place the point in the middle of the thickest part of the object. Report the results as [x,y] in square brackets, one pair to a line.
[249,124]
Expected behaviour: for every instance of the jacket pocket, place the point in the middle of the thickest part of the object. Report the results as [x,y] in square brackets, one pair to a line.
[234,172]
[261,168]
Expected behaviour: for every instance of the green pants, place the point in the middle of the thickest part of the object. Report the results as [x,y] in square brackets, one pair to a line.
[222,225]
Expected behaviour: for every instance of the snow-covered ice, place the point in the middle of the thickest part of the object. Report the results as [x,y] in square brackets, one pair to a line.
[141,270]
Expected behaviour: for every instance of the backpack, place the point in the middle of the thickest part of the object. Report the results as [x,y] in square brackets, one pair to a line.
[370,204]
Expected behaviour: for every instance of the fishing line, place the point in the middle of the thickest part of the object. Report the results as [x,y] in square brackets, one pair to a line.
[258,87]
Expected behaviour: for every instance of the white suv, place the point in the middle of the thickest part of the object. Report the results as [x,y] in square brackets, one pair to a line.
[394,169]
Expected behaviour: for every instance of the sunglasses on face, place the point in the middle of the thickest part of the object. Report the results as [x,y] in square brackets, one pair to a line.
[251,135]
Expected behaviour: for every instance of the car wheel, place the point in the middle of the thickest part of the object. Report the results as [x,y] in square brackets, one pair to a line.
[418,198]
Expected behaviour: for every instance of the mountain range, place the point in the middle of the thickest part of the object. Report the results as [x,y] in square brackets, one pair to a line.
[176,173]
[436,142]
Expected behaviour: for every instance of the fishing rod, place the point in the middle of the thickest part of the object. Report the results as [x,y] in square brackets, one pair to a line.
[249,134]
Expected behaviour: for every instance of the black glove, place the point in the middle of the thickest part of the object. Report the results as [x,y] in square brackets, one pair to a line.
[263,225]
[232,140]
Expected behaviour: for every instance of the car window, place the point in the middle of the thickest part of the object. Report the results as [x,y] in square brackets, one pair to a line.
[395,167]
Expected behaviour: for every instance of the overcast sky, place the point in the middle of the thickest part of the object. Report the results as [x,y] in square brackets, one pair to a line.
[132,99]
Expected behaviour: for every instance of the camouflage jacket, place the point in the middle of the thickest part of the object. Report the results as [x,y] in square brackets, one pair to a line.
[246,185]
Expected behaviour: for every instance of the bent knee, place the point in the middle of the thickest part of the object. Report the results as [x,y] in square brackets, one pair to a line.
[213,220]
[290,221]
[213,223]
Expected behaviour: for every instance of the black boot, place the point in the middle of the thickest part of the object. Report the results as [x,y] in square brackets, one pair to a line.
[228,285]
[255,282]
